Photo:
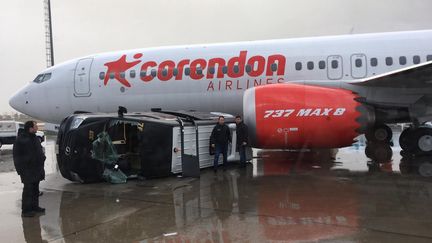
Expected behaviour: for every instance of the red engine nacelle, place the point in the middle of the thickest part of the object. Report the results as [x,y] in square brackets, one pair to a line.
[300,116]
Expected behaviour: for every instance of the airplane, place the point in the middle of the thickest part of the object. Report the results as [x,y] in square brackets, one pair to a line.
[318,92]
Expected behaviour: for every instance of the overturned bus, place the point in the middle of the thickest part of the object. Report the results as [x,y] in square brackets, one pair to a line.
[95,147]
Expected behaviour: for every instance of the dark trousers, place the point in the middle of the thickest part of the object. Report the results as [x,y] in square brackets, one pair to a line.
[220,149]
[242,153]
[30,197]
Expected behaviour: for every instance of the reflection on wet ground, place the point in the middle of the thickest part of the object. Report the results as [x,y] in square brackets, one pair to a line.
[327,195]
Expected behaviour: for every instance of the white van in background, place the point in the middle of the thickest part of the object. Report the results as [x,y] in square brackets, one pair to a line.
[9,132]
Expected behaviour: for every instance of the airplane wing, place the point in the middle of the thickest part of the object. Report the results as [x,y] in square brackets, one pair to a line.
[412,77]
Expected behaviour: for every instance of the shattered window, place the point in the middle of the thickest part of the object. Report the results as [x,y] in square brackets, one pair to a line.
[103,149]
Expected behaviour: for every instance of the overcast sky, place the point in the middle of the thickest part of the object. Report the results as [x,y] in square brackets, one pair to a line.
[82,27]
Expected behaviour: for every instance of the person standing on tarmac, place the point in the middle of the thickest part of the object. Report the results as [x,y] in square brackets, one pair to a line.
[29,160]
[219,139]
[242,139]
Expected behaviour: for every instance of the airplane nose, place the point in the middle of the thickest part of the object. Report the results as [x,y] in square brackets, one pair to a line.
[19,100]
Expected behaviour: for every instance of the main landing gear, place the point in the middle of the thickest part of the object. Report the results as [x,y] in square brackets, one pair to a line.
[379,142]
[416,145]
[416,141]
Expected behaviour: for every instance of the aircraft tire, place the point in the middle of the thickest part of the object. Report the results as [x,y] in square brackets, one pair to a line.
[406,140]
[379,133]
[423,141]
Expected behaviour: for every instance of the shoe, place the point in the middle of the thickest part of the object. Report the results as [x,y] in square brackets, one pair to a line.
[27,214]
[39,210]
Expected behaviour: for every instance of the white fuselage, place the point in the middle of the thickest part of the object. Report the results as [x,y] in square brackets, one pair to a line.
[96,84]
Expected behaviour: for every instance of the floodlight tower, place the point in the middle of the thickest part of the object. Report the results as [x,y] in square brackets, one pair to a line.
[48,34]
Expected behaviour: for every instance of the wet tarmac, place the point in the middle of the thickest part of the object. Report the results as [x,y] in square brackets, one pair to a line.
[325,196]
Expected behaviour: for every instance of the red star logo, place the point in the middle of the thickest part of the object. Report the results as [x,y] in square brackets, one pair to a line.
[120,66]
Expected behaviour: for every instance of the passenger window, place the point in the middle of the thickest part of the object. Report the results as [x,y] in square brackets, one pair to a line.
[389,61]
[298,66]
[402,60]
[358,63]
[122,75]
[165,72]
[274,67]
[199,70]
[335,64]
[142,74]
[132,74]
[310,65]
[236,69]
[187,71]
[175,71]
[321,64]
[111,75]
[248,68]
[102,75]
[153,72]
[224,69]
[429,58]
[211,70]
[374,62]
[416,59]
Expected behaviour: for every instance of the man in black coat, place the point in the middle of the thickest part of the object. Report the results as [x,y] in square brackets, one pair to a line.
[219,139]
[242,139]
[29,160]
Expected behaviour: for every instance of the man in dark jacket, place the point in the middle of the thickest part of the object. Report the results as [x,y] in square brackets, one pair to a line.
[242,139]
[219,139]
[29,160]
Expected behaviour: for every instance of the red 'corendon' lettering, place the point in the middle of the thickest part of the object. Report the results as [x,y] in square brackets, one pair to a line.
[280,61]
[144,68]
[165,70]
[201,63]
[258,64]
[180,67]
[220,64]
[236,65]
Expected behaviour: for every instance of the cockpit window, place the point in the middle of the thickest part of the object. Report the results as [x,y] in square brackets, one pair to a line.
[46,77]
[38,79]
[42,78]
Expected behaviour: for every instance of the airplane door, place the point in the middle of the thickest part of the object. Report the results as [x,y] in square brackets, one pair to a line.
[334,67]
[358,66]
[82,77]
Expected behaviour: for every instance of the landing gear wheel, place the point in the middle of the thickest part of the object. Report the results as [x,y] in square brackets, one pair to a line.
[379,133]
[406,139]
[423,140]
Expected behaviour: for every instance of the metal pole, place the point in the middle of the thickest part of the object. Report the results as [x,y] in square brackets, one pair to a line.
[50,30]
